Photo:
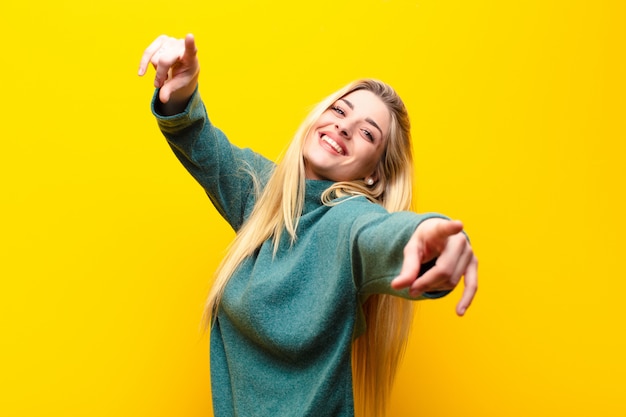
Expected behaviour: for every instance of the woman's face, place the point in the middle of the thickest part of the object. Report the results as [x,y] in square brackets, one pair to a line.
[348,140]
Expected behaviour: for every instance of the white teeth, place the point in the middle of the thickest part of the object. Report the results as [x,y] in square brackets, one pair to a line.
[332,143]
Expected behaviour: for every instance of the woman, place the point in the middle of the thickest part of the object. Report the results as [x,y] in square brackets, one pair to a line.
[316,290]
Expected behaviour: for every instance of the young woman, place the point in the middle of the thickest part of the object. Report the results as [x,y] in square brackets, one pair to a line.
[311,307]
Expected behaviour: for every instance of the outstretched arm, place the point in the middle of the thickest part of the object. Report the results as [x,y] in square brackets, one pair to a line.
[441,239]
[177,70]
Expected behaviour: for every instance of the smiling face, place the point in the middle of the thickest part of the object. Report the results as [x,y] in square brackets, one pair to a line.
[348,140]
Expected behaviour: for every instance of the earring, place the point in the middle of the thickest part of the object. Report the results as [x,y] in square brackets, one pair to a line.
[369,181]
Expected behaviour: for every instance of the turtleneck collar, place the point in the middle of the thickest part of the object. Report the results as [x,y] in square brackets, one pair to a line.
[313,193]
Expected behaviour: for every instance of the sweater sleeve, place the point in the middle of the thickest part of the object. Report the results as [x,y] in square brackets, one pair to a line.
[229,175]
[378,241]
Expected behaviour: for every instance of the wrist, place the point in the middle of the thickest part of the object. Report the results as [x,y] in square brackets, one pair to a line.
[177,102]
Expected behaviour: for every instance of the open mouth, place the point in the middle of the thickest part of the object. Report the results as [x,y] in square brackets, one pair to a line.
[333,144]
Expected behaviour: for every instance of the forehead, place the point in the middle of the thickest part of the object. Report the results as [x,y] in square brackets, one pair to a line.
[369,105]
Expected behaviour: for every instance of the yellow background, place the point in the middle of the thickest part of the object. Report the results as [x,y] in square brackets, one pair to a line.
[518,111]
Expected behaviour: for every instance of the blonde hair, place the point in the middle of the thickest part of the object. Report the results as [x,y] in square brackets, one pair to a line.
[377,353]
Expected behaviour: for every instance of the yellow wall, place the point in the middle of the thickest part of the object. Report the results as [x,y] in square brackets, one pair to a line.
[107,244]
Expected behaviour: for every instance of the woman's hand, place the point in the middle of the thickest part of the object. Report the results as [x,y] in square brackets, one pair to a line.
[177,69]
[441,239]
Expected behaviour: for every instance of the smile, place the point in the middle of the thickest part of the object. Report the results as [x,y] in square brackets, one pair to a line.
[333,144]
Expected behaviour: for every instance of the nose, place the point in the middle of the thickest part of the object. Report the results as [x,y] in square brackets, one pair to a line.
[343,129]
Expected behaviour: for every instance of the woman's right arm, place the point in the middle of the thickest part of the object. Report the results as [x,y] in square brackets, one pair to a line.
[222,169]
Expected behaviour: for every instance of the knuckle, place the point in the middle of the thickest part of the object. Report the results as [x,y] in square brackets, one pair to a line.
[410,248]
[446,271]
[472,286]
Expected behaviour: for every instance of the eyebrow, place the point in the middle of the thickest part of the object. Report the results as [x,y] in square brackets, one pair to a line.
[367,119]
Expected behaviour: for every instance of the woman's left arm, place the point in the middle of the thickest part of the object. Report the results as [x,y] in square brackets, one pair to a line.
[441,239]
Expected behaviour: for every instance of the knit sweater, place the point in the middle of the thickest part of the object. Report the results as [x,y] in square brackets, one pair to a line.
[281,342]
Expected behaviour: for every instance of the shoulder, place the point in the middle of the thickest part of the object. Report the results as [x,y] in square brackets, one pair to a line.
[358,210]
[356,215]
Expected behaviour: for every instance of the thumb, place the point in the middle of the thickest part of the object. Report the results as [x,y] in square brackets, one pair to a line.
[433,235]
[165,92]
[448,228]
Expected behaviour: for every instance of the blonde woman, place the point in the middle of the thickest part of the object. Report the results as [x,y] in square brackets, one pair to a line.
[311,307]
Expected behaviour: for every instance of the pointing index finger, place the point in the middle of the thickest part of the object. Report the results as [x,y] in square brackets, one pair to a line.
[190,47]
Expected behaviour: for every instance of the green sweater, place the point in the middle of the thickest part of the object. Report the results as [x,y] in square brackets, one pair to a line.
[281,343]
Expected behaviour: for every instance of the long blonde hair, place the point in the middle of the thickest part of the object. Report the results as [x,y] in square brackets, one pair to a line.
[377,353]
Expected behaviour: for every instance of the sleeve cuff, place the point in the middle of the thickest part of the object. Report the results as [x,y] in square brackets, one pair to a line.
[154,106]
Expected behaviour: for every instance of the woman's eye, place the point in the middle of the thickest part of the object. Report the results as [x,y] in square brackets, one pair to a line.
[368,134]
[338,110]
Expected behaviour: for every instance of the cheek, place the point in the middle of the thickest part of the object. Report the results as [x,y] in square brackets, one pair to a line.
[376,157]
[378,160]
[370,163]
[310,147]
[308,142]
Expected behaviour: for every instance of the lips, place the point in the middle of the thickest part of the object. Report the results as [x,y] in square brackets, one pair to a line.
[333,144]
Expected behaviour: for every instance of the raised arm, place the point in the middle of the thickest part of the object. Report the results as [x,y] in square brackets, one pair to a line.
[177,69]
[227,173]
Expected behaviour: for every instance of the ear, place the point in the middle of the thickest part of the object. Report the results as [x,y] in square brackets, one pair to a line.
[378,174]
